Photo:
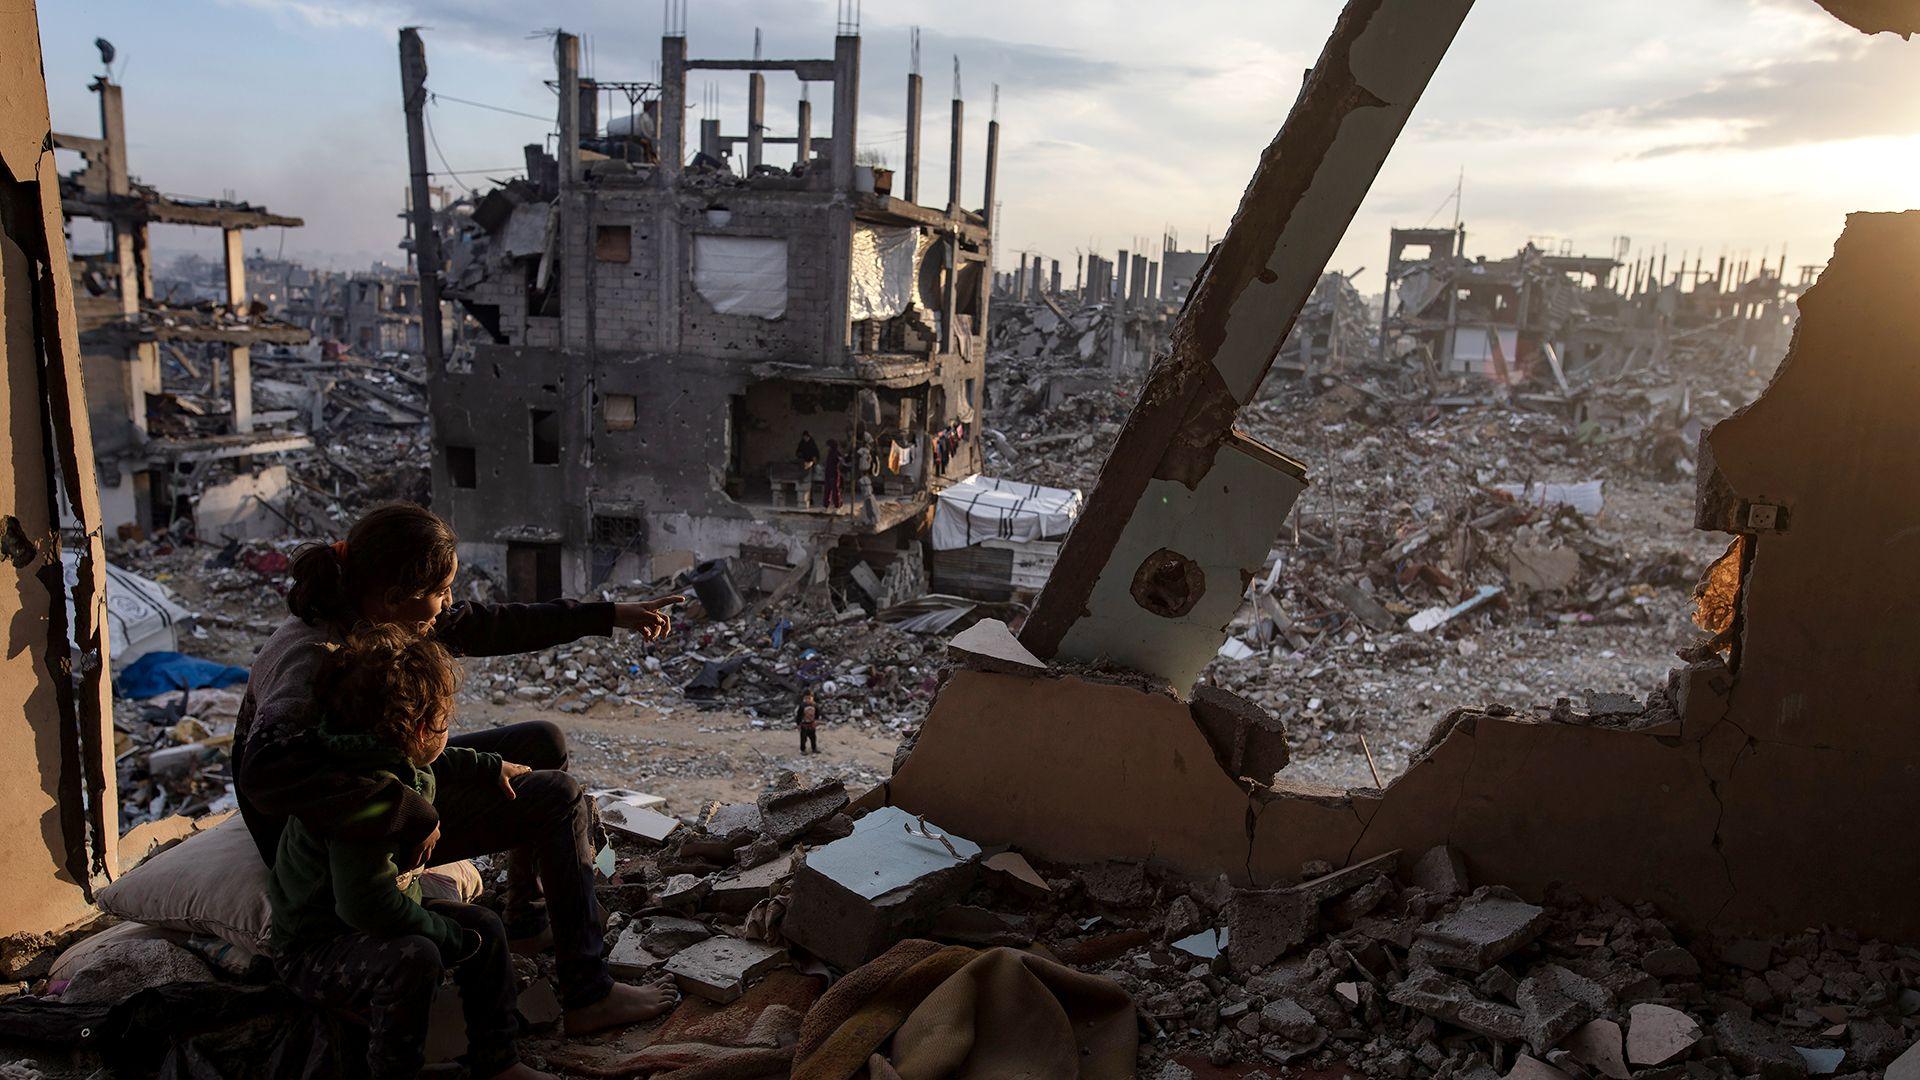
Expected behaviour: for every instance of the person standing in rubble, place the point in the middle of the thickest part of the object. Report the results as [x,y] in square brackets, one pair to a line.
[808,455]
[396,569]
[807,719]
[836,465]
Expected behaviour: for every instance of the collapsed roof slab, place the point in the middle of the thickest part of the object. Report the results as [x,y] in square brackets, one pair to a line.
[1769,798]
[1146,578]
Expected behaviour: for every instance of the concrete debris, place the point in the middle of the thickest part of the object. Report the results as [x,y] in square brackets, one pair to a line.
[1446,998]
[665,935]
[1598,1045]
[1657,1034]
[1442,871]
[1483,931]
[853,898]
[720,968]
[539,1003]
[630,958]
[787,815]
[1011,870]
[1756,1048]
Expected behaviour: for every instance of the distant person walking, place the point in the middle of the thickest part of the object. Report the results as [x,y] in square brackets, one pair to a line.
[836,464]
[807,719]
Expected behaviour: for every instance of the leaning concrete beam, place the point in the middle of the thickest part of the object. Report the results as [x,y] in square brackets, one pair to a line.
[1303,194]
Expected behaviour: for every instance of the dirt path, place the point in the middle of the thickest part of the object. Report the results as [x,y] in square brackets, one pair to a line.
[690,757]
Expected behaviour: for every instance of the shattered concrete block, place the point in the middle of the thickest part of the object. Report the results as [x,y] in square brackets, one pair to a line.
[854,898]
[1286,1018]
[1445,998]
[1670,962]
[1756,1049]
[785,815]
[1556,1003]
[1330,884]
[650,825]
[1599,1046]
[664,935]
[1526,1067]
[835,827]
[736,893]
[1010,870]
[989,645]
[967,924]
[1247,740]
[1183,917]
[1442,871]
[1488,927]
[684,890]
[1267,924]
[720,968]
[1907,1065]
[1116,884]
[735,823]
[630,958]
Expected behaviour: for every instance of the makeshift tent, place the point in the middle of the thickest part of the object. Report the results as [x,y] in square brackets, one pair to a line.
[141,613]
[982,508]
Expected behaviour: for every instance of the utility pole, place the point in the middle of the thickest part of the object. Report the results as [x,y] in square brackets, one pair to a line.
[426,239]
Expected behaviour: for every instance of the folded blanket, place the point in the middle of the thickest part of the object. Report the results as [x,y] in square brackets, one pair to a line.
[956,1012]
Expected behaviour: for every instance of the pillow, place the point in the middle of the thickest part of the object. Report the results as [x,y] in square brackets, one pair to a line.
[214,883]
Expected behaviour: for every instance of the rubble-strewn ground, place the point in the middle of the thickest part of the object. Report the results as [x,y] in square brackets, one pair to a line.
[1401,505]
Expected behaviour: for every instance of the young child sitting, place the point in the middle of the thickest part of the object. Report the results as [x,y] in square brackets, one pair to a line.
[349,928]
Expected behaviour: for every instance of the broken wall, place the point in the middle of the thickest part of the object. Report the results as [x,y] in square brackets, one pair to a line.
[57,797]
[1773,797]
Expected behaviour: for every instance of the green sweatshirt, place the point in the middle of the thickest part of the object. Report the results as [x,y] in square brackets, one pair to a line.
[322,889]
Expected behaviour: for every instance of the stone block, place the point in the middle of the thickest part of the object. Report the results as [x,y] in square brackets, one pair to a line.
[786,815]
[1445,998]
[1489,926]
[1441,871]
[1756,1049]
[855,897]
[719,969]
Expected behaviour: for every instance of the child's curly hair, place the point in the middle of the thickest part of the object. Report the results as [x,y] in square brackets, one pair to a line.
[392,683]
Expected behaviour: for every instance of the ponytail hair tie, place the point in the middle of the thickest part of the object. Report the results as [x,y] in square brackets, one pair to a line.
[340,550]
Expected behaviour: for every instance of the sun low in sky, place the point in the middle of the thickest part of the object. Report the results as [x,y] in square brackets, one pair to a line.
[1690,126]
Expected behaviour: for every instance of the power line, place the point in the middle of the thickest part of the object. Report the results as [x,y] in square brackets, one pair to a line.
[428,118]
[437,97]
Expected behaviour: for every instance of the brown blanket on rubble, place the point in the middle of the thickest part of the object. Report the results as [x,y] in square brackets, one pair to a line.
[956,1012]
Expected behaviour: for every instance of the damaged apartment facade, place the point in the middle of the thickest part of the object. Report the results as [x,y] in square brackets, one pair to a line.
[658,335]
[165,455]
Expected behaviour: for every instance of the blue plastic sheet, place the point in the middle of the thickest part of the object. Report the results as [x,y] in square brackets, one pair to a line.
[162,672]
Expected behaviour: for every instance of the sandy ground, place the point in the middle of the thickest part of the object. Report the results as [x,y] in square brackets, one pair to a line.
[690,757]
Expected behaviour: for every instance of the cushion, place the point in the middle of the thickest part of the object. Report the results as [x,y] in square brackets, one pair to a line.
[214,883]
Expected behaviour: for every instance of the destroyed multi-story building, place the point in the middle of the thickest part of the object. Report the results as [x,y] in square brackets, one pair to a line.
[661,336]
[163,456]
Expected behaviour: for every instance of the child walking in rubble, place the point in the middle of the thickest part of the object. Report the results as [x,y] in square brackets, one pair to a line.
[807,719]
[349,927]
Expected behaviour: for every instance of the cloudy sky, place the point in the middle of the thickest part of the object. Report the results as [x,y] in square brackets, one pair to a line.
[1691,125]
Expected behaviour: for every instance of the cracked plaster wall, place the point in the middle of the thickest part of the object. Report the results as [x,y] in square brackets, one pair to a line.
[1775,798]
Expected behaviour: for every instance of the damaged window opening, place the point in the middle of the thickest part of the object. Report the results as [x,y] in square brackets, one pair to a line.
[463,470]
[619,411]
[613,243]
[543,427]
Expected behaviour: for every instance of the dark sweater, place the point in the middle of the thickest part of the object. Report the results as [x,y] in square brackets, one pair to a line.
[282,768]
[324,888]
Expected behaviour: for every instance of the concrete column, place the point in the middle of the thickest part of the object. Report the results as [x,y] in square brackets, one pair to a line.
[566,60]
[240,356]
[1122,266]
[1038,281]
[992,193]
[1137,295]
[710,138]
[803,133]
[426,239]
[912,179]
[673,110]
[953,162]
[589,111]
[1153,283]
[1020,279]
[846,117]
[756,120]
[1056,277]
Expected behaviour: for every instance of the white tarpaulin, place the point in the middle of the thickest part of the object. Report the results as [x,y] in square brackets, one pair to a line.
[982,508]
[741,275]
[881,277]
[141,614]
[1586,496]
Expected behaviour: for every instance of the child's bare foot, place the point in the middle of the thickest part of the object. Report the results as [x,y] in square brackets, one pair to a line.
[519,1071]
[625,1004]
[528,946]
